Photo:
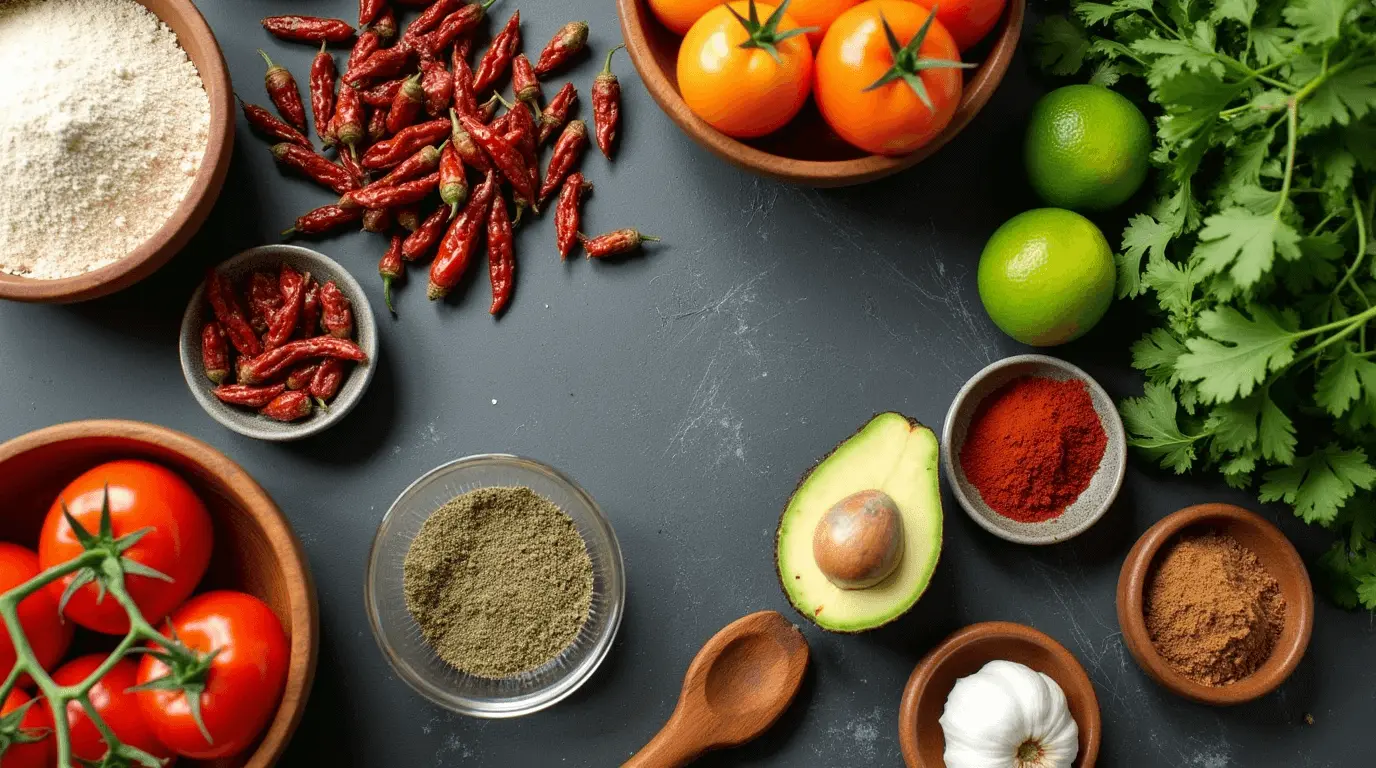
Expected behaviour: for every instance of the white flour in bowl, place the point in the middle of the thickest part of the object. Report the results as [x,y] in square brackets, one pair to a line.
[103,124]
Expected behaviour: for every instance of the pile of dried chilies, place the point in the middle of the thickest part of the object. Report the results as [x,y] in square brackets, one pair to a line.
[410,119]
[287,352]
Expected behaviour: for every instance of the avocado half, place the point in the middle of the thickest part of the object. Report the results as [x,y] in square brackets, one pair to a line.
[894,454]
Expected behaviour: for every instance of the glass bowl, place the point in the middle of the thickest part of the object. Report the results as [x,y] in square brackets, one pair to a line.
[399,636]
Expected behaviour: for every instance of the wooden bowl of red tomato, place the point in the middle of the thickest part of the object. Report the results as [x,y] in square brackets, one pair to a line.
[822,92]
[210,578]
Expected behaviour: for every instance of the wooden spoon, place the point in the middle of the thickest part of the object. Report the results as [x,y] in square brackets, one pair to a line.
[737,686]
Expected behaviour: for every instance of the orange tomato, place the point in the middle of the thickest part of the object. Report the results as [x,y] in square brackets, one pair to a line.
[679,15]
[819,14]
[744,92]
[968,21]
[892,118]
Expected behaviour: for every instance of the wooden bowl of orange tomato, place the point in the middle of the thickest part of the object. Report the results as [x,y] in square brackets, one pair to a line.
[252,549]
[843,134]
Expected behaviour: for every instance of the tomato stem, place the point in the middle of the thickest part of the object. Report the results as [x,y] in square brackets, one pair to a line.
[764,36]
[908,61]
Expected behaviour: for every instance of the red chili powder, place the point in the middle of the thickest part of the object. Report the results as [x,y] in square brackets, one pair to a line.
[1033,446]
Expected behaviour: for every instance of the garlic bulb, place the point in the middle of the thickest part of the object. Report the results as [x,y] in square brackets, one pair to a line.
[1008,716]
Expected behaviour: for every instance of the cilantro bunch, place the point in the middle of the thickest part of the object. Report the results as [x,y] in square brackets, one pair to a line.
[1258,249]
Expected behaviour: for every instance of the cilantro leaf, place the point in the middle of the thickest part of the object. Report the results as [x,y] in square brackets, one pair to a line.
[1143,234]
[1246,241]
[1237,354]
[1237,10]
[1156,354]
[1316,21]
[1342,97]
[1338,386]
[1171,57]
[1152,428]
[1318,484]
[1062,45]
[1234,424]
[1277,432]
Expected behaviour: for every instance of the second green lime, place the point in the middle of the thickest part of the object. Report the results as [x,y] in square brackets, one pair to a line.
[1086,148]
[1046,276]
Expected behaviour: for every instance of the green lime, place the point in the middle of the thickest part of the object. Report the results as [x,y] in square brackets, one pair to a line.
[1086,148]
[1046,276]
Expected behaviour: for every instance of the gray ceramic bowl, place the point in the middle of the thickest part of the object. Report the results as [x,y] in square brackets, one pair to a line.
[1084,511]
[246,421]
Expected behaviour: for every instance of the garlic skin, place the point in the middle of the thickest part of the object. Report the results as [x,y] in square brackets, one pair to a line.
[1008,716]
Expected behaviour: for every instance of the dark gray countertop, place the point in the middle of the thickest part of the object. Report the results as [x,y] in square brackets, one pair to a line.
[686,391]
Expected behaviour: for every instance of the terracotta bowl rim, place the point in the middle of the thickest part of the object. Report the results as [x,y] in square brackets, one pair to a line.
[189,215]
[1131,613]
[251,496]
[987,630]
[821,173]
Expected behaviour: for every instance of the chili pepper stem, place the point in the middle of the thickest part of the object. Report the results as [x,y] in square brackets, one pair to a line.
[268,59]
[607,67]
[321,403]
[386,297]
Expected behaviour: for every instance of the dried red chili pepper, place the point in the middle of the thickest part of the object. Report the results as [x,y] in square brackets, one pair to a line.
[337,314]
[350,163]
[264,299]
[325,384]
[225,304]
[408,216]
[501,255]
[614,243]
[463,49]
[506,157]
[322,93]
[377,196]
[456,24]
[310,311]
[568,213]
[384,62]
[282,325]
[500,52]
[557,112]
[248,396]
[407,105]
[524,84]
[270,365]
[391,152]
[349,120]
[214,352]
[367,44]
[468,149]
[386,24]
[456,249]
[430,18]
[382,95]
[425,160]
[390,268]
[268,124]
[438,85]
[419,243]
[284,93]
[315,167]
[300,376]
[377,220]
[369,10]
[465,99]
[377,126]
[453,179]
[308,29]
[567,151]
[521,122]
[568,42]
[606,105]
[326,218]
[288,406]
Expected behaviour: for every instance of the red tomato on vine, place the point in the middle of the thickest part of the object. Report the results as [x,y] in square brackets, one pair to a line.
[48,634]
[115,704]
[35,723]
[141,495]
[236,690]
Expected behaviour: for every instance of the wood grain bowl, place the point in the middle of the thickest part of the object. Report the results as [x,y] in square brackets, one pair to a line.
[200,45]
[1276,554]
[255,549]
[964,653]
[806,151]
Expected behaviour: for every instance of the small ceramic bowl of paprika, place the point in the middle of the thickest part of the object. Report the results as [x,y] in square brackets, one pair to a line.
[247,421]
[1042,423]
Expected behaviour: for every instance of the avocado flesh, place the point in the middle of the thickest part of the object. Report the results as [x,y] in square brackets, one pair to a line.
[891,454]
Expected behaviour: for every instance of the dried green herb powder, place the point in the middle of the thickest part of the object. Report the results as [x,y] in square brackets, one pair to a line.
[499,581]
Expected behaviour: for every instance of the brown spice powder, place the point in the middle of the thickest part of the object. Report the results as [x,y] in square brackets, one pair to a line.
[1212,609]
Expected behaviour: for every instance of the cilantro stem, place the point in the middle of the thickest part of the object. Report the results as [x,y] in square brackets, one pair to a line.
[1363,213]
[1292,112]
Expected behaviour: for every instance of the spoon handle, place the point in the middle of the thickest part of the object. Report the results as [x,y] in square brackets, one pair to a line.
[673,747]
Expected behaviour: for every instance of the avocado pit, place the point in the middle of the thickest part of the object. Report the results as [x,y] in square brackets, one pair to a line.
[859,541]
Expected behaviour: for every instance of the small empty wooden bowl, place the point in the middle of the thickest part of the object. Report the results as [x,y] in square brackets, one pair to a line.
[255,550]
[1276,554]
[199,42]
[963,654]
[806,151]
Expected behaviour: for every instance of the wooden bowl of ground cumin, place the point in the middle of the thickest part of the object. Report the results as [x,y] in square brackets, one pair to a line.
[1215,604]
